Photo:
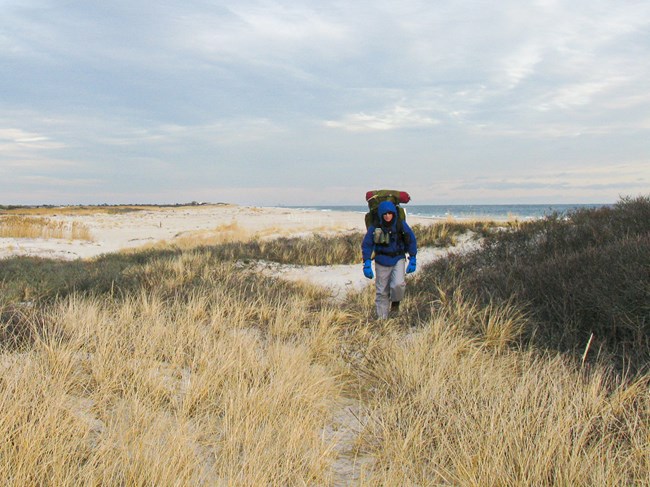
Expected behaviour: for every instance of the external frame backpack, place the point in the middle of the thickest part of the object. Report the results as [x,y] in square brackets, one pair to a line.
[373,198]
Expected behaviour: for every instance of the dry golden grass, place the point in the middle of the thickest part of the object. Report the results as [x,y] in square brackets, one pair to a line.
[225,233]
[222,234]
[232,241]
[157,389]
[206,374]
[37,227]
[479,220]
[449,408]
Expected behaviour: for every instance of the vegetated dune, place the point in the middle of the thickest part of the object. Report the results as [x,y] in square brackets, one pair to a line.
[133,228]
[182,366]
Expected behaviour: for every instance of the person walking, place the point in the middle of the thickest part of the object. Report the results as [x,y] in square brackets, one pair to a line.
[390,241]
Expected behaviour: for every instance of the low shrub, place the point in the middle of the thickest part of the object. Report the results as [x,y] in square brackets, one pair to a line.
[579,274]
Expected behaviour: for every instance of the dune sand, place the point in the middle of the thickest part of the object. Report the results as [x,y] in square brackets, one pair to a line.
[115,232]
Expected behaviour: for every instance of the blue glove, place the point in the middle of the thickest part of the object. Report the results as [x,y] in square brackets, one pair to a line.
[367,269]
[412,264]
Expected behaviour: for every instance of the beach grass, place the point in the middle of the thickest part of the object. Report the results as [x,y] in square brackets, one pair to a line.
[319,249]
[183,367]
[16,226]
[444,409]
[221,385]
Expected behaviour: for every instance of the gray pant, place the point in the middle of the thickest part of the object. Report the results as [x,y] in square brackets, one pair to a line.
[390,284]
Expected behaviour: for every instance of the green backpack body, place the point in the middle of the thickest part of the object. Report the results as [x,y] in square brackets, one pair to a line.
[375,197]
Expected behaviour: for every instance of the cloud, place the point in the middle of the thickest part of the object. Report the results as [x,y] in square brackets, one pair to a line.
[282,36]
[519,65]
[395,118]
[14,167]
[609,182]
[578,94]
[57,181]
[227,132]
[13,139]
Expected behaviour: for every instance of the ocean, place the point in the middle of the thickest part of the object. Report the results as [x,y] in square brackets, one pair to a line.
[468,212]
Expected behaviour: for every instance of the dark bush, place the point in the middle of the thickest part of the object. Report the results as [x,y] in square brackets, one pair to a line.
[576,274]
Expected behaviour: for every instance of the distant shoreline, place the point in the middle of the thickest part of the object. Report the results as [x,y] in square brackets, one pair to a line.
[497,212]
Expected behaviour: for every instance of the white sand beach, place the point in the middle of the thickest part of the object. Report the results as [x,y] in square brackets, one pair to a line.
[119,231]
[134,229]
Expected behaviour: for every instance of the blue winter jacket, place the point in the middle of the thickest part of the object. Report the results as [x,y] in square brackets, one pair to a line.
[395,250]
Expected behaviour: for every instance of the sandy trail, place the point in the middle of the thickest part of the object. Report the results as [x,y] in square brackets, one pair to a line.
[342,279]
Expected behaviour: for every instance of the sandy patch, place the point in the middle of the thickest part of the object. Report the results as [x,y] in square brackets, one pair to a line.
[114,232]
[341,279]
[204,224]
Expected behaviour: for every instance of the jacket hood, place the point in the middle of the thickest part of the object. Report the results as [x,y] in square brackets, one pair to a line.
[386,207]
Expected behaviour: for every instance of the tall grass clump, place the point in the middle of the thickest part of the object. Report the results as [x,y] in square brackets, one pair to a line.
[584,277]
[446,409]
[204,374]
[314,250]
[445,234]
[14,226]
[34,278]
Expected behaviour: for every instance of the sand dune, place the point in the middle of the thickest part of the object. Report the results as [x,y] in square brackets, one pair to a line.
[115,232]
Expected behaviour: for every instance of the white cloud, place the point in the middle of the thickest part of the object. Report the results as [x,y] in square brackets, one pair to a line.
[632,175]
[13,140]
[520,64]
[227,132]
[26,164]
[579,94]
[275,34]
[394,118]
[573,184]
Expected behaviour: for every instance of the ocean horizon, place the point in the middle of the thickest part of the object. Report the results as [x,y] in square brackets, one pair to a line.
[500,212]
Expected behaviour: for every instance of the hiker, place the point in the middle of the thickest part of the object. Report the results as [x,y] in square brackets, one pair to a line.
[390,240]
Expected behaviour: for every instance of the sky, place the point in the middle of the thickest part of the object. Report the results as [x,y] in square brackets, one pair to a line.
[309,102]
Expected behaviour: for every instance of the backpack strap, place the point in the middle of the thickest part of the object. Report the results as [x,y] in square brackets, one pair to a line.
[401,234]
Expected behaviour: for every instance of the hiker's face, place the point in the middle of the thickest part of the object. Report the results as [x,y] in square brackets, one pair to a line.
[388,217]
